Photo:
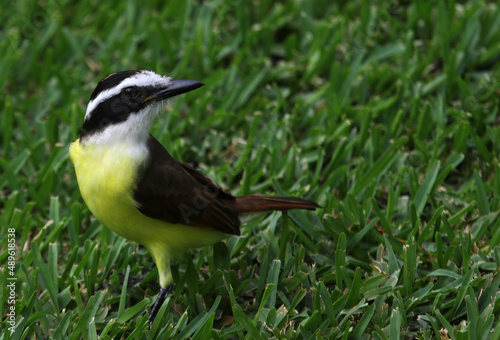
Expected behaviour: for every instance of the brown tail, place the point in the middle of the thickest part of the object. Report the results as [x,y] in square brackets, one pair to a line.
[244,204]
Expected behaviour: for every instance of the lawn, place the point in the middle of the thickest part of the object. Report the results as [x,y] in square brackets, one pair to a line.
[383,112]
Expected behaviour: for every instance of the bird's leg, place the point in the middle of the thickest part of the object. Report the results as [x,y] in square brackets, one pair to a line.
[159,301]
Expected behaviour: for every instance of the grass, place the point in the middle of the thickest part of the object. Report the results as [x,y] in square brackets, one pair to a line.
[386,113]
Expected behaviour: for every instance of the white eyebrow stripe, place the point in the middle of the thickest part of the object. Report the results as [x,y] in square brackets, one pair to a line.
[141,79]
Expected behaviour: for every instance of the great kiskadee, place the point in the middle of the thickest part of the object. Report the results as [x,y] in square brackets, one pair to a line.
[136,188]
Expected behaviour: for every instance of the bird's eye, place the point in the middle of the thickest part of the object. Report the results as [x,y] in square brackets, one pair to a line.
[131,92]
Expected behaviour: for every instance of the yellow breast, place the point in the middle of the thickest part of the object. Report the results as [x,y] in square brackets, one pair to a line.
[106,177]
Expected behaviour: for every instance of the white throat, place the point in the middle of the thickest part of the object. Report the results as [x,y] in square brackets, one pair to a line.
[133,132]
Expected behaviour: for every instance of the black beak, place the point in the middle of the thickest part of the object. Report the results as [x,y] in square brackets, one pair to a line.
[177,87]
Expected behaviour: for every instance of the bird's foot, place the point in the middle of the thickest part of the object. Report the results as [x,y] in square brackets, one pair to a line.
[158,303]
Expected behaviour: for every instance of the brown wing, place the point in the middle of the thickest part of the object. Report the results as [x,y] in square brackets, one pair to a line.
[174,192]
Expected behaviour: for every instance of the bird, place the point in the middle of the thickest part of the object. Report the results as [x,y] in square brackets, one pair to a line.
[133,186]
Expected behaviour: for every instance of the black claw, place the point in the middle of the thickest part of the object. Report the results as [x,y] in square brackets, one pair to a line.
[159,301]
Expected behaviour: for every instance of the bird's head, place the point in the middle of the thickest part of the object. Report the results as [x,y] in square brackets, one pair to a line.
[125,104]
